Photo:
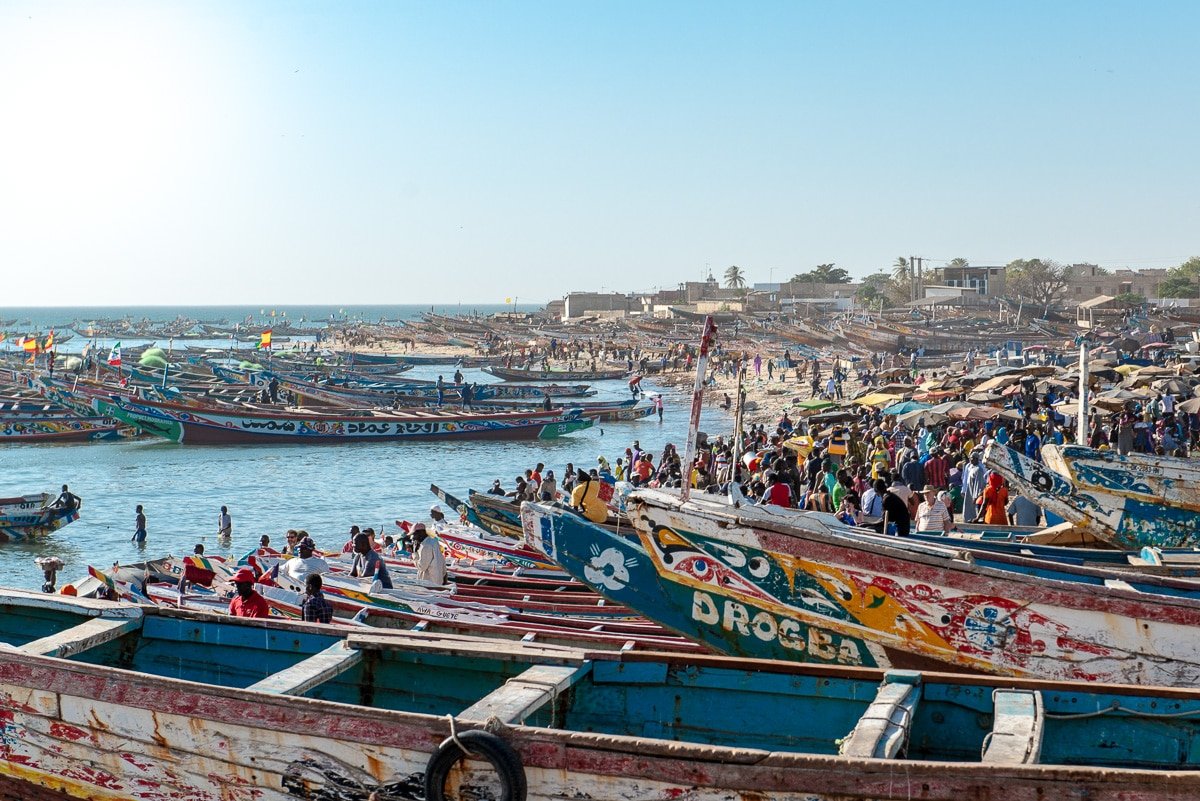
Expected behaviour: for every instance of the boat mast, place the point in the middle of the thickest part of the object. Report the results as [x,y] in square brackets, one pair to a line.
[689,455]
[736,461]
[1081,432]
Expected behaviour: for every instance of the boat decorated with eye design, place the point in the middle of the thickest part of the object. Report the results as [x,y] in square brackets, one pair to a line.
[748,568]
[227,425]
[106,700]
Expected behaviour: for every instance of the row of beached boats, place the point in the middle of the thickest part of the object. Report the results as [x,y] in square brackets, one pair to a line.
[211,401]
[1073,669]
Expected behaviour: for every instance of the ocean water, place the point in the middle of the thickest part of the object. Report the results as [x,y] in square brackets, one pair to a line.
[59,317]
[321,488]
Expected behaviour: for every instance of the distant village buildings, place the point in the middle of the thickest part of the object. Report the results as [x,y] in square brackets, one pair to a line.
[950,285]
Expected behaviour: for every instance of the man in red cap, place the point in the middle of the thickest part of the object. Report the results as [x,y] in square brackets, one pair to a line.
[248,602]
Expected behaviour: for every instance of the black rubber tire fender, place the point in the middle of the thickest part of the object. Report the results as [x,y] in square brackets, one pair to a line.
[483,744]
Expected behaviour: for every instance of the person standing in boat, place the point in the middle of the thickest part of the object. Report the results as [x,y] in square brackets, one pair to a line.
[139,526]
[431,564]
[314,608]
[367,563]
[247,602]
[224,524]
[437,516]
[299,567]
[67,500]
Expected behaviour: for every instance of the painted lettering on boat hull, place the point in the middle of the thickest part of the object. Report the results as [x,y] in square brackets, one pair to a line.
[742,621]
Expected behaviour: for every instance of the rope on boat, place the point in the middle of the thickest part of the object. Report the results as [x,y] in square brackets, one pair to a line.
[1116,707]
[454,736]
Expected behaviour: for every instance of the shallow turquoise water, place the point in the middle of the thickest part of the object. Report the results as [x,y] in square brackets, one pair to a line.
[324,489]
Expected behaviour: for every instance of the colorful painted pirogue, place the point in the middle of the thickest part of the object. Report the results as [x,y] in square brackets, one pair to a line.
[113,701]
[213,425]
[511,374]
[31,516]
[619,568]
[1151,478]
[763,573]
[1129,502]
[62,428]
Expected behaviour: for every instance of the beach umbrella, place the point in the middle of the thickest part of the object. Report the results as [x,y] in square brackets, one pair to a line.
[1122,394]
[936,395]
[950,406]
[911,419]
[834,415]
[1038,370]
[997,383]
[813,404]
[1191,406]
[903,407]
[984,397]
[877,399]
[971,411]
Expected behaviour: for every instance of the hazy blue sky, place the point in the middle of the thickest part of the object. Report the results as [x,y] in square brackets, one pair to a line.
[290,152]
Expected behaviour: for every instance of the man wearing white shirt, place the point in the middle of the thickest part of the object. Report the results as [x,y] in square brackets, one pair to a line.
[431,565]
[298,567]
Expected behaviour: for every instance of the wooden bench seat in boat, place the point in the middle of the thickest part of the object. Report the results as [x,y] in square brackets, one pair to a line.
[526,693]
[317,669]
[882,732]
[83,636]
[1017,727]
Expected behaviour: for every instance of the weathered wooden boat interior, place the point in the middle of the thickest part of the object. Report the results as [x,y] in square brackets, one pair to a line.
[703,700]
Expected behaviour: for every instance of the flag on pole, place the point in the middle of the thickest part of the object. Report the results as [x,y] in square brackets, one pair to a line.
[264,341]
[49,341]
[114,355]
[30,344]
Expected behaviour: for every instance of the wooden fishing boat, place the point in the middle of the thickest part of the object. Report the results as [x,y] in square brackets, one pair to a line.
[472,543]
[511,374]
[995,613]
[212,425]
[113,701]
[1114,501]
[32,516]
[59,428]
[620,569]
[1159,480]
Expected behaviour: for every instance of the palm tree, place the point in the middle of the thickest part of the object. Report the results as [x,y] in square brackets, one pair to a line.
[958,263]
[734,279]
[900,269]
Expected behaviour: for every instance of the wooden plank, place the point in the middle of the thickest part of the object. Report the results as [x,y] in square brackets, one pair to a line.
[525,694]
[80,638]
[882,732]
[317,669]
[453,645]
[1017,728]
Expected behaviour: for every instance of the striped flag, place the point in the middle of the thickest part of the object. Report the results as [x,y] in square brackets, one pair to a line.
[264,341]
[114,355]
